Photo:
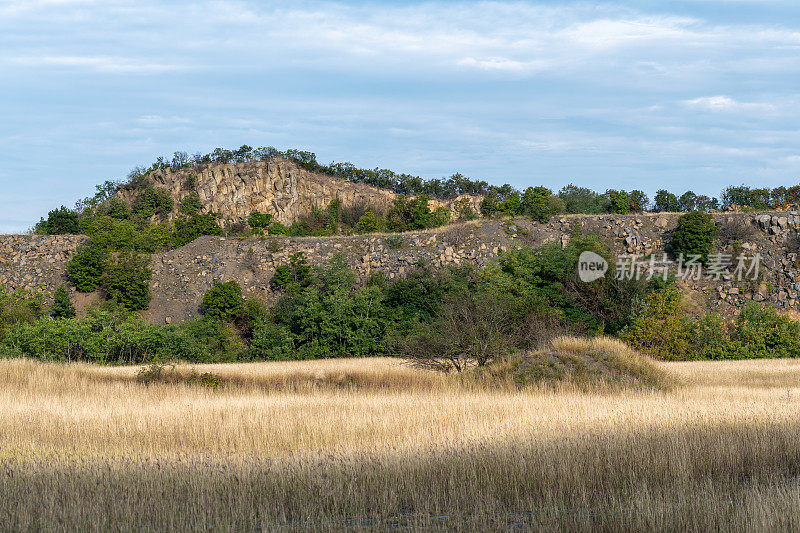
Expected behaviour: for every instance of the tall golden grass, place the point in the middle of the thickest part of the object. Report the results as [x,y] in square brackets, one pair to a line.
[372,443]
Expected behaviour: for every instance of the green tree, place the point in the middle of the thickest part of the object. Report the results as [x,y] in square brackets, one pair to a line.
[369,222]
[86,268]
[223,300]
[694,235]
[666,201]
[620,201]
[638,201]
[539,203]
[688,201]
[60,221]
[62,304]
[191,204]
[259,220]
[127,280]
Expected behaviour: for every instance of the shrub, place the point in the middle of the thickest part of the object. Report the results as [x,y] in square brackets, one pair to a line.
[152,201]
[18,307]
[127,280]
[223,300]
[62,304]
[191,204]
[662,327]
[259,220]
[471,330]
[694,235]
[464,210]
[276,228]
[369,222]
[190,228]
[86,268]
[759,331]
[59,221]
[395,241]
[295,274]
[540,204]
[116,207]
[737,231]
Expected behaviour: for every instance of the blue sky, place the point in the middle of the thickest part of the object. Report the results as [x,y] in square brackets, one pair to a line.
[681,95]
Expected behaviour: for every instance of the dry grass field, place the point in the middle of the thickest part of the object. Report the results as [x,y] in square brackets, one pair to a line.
[373,444]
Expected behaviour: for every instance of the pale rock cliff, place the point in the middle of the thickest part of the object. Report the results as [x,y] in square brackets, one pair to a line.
[277,187]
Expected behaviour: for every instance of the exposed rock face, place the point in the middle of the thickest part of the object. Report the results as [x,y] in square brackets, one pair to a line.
[277,187]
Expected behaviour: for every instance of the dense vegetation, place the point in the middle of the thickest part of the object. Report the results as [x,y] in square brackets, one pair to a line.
[449,318]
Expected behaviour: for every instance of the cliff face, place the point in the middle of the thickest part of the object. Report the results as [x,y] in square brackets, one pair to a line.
[277,187]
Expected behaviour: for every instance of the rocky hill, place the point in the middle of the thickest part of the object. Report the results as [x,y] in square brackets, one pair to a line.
[277,187]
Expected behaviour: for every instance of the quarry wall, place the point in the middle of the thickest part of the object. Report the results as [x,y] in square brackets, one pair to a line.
[277,187]
[181,276]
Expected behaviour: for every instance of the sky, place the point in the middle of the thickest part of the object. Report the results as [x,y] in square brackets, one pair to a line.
[628,95]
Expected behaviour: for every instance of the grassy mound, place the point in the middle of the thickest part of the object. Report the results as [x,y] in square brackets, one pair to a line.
[597,363]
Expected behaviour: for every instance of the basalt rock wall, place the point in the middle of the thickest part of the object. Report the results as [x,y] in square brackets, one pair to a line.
[277,187]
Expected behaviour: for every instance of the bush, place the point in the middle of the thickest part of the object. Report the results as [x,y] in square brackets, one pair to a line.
[19,307]
[86,268]
[259,220]
[471,330]
[152,201]
[191,204]
[127,280]
[369,222]
[694,235]
[662,327]
[223,300]
[59,221]
[190,228]
[276,228]
[540,204]
[759,331]
[464,210]
[294,275]
[62,304]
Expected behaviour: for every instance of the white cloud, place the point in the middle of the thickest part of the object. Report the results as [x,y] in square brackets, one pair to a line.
[110,65]
[726,104]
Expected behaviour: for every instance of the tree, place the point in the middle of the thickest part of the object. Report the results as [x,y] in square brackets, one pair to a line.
[87,266]
[62,304]
[694,235]
[666,201]
[638,201]
[540,204]
[223,300]
[369,222]
[688,201]
[581,200]
[127,280]
[191,204]
[259,220]
[471,330]
[60,221]
[620,201]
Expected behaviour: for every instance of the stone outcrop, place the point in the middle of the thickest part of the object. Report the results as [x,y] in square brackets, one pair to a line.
[277,187]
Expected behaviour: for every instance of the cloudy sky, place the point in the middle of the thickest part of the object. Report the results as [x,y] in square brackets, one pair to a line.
[646,94]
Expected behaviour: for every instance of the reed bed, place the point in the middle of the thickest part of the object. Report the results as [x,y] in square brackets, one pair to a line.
[375,444]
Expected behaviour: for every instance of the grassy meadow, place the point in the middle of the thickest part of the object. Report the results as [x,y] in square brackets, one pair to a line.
[376,444]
